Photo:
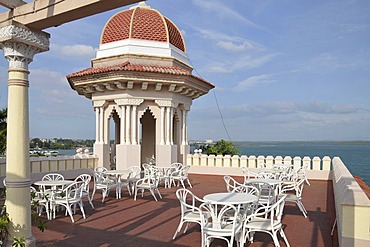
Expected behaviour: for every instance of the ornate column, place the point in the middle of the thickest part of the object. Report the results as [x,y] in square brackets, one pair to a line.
[162,125]
[134,127]
[99,108]
[128,124]
[123,124]
[97,114]
[19,45]
[172,110]
[184,128]
[168,125]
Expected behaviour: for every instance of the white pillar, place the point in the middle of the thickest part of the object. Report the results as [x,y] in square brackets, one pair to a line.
[133,126]
[168,122]
[163,124]
[172,110]
[123,125]
[128,124]
[19,45]
[101,125]
[97,114]
[184,134]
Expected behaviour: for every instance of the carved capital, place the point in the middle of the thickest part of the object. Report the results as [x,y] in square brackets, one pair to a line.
[166,103]
[185,107]
[98,103]
[132,101]
[21,44]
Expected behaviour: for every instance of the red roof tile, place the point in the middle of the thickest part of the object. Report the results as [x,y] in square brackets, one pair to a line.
[142,23]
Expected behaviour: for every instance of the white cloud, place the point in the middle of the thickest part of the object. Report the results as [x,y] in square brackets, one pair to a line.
[230,46]
[74,51]
[224,11]
[46,77]
[253,81]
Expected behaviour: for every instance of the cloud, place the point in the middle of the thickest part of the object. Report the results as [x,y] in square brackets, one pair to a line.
[74,51]
[230,46]
[46,77]
[223,11]
[252,81]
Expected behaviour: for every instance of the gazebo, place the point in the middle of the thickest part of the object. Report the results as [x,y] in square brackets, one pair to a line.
[141,80]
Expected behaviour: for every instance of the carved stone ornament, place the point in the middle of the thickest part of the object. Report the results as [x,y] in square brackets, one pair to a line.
[98,103]
[168,103]
[20,45]
[23,35]
[129,101]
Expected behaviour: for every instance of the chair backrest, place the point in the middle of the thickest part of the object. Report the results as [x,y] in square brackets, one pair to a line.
[178,166]
[53,176]
[100,169]
[248,174]
[248,189]
[231,183]
[217,222]
[184,171]
[85,178]
[135,171]
[188,201]
[73,191]
[101,178]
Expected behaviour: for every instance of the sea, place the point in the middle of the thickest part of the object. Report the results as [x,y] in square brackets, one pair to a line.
[355,155]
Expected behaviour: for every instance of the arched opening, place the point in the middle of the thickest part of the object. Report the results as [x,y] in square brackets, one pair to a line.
[147,135]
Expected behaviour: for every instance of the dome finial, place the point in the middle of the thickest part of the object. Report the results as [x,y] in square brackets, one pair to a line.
[141,4]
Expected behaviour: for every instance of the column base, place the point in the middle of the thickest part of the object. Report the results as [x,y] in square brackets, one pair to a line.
[127,155]
[166,155]
[102,151]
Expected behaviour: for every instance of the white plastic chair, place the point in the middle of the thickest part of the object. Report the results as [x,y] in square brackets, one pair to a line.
[124,181]
[181,176]
[68,197]
[148,183]
[104,183]
[135,175]
[52,177]
[219,224]
[231,183]
[266,219]
[85,178]
[190,212]
[248,173]
[100,169]
[296,196]
[40,201]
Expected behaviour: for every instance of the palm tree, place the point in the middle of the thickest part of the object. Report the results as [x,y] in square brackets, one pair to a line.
[3,116]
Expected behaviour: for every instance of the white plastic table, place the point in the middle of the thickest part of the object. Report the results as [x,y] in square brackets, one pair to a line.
[232,198]
[53,183]
[118,174]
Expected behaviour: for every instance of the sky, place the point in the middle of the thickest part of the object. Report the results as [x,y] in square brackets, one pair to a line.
[283,70]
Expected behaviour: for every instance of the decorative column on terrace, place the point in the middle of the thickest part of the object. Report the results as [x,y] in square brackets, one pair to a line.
[128,152]
[101,147]
[19,45]
[185,147]
[166,150]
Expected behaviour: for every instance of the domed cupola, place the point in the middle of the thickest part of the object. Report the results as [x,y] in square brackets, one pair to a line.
[142,31]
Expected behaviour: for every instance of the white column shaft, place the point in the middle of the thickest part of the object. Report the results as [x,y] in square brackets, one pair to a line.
[183,128]
[101,125]
[128,124]
[123,125]
[133,126]
[172,110]
[163,124]
[97,113]
[168,123]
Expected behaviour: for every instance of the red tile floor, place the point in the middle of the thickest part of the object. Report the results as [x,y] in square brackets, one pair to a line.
[145,222]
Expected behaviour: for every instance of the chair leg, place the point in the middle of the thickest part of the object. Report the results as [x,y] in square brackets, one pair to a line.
[152,192]
[159,193]
[178,229]
[90,201]
[82,209]
[282,234]
[189,183]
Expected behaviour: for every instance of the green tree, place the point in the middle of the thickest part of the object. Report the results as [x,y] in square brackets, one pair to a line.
[3,117]
[221,147]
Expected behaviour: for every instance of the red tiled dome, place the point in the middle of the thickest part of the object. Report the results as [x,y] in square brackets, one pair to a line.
[142,22]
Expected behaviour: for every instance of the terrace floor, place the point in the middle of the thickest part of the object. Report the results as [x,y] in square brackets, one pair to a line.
[145,222]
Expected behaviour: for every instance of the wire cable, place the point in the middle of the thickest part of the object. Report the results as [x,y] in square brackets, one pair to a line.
[218,106]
